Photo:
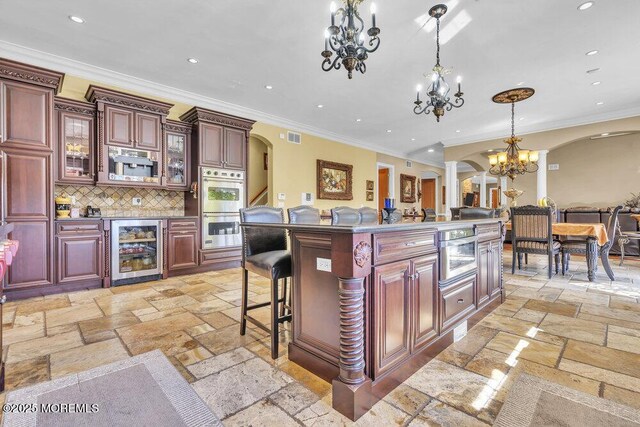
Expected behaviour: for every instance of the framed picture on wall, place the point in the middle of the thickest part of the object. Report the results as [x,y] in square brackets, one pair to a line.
[369,185]
[407,188]
[334,180]
[369,196]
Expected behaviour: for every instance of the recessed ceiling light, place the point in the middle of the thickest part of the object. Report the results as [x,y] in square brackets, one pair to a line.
[76,19]
[519,83]
[457,130]
[413,139]
[489,151]
[591,52]
[388,130]
[599,103]
[430,150]
[585,6]
[192,60]
[358,120]
[521,118]
[320,106]
[595,83]
[604,134]
[268,87]
[593,70]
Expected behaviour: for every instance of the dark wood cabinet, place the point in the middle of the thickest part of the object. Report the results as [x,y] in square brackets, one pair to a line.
[211,145]
[406,307]
[75,141]
[182,245]
[148,132]
[392,288]
[425,303]
[80,252]
[177,155]
[456,301]
[26,116]
[129,127]
[120,126]
[235,147]
[489,270]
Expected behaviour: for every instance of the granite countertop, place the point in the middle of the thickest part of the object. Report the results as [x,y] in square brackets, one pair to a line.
[127,218]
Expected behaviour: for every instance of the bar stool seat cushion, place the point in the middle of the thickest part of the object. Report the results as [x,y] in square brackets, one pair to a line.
[274,264]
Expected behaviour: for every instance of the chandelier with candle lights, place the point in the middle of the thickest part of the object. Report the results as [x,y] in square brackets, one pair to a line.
[438,99]
[348,40]
[513,161]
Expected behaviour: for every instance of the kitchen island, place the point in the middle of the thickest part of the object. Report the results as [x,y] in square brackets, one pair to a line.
[373,303]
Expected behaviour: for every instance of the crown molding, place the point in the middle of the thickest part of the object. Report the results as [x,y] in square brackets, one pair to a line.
[102,75]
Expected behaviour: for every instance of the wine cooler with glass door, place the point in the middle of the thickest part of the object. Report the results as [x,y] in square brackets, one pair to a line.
[136,251]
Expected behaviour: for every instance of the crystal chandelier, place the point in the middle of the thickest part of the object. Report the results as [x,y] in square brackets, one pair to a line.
[438,91]
[513,161]
[348,39]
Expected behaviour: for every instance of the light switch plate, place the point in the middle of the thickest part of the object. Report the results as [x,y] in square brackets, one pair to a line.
[282,196]
[323,264]
[554,166]
[460,331]
[136,201]
[306,199]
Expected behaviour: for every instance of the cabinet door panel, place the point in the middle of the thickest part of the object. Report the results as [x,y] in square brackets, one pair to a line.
[119,126]
[26,117]
[484,273]
[211,145]
[79,258]
[495,267]
[392,305]
[148,131]
[28,187]
[183,250]
[32,266]
[425,303]
[234,149]
[76,148]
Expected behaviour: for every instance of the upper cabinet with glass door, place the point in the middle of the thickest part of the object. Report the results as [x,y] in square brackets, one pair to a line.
[76,141]
[130,138]
[177,145]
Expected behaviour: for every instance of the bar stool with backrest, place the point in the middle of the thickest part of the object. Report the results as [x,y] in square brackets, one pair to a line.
[264,253]
[531,233]
[570,247]
[343,215]
[304,215]
[368,215]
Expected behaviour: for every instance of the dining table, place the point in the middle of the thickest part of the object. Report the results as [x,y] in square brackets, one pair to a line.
[596,237]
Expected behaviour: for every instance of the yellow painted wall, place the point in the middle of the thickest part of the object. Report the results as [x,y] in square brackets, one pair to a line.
[293,167]
[258,176]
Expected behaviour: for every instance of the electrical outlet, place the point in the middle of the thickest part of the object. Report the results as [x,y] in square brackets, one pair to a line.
[136,201]
[323,264]
[282,196]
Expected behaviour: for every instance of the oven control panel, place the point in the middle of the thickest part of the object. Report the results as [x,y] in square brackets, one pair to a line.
[222,173]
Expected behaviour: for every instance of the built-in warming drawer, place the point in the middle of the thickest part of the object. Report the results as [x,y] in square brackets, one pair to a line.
[398,246]
[457,300]
[488,231]
[73,227]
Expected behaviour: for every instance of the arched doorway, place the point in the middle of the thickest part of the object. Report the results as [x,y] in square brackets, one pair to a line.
[259,171]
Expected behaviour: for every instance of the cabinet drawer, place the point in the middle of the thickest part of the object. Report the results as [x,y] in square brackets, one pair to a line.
[71,227]
[398,246]
[488,231]
[209,257]
[457,300]
[183,224]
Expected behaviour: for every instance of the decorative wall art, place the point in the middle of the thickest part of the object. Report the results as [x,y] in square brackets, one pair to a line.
[369,196]
[334,180]
[407,188]
[370,185]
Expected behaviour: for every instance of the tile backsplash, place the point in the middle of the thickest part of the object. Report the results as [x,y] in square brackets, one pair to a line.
[117,201]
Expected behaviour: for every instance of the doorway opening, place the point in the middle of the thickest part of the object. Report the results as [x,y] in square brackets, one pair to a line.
[429,193]
[259,171]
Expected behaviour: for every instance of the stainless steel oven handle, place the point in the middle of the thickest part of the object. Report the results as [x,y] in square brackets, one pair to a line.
[458,242]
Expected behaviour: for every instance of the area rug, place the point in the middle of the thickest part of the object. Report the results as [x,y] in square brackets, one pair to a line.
[533,401]
[144,390]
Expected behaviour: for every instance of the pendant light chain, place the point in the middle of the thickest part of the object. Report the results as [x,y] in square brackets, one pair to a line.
[437,42]
[513,123]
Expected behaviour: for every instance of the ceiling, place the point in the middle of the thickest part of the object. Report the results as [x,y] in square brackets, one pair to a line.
[244,45]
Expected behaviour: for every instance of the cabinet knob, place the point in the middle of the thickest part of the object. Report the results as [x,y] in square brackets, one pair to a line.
[461,300]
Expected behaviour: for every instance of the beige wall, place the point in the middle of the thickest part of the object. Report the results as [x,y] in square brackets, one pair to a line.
[602,172]
[293,167]
[416,169]
[258,176]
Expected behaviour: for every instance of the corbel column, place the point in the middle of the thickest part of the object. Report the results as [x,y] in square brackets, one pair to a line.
[542,174]
[450,182]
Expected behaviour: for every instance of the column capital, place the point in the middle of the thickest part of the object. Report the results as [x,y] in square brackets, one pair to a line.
[451,162]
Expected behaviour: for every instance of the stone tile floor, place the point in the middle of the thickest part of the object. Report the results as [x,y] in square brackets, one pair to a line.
[567,330]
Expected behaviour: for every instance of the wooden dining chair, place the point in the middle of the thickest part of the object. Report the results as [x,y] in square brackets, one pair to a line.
[570,247]
[531,234]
